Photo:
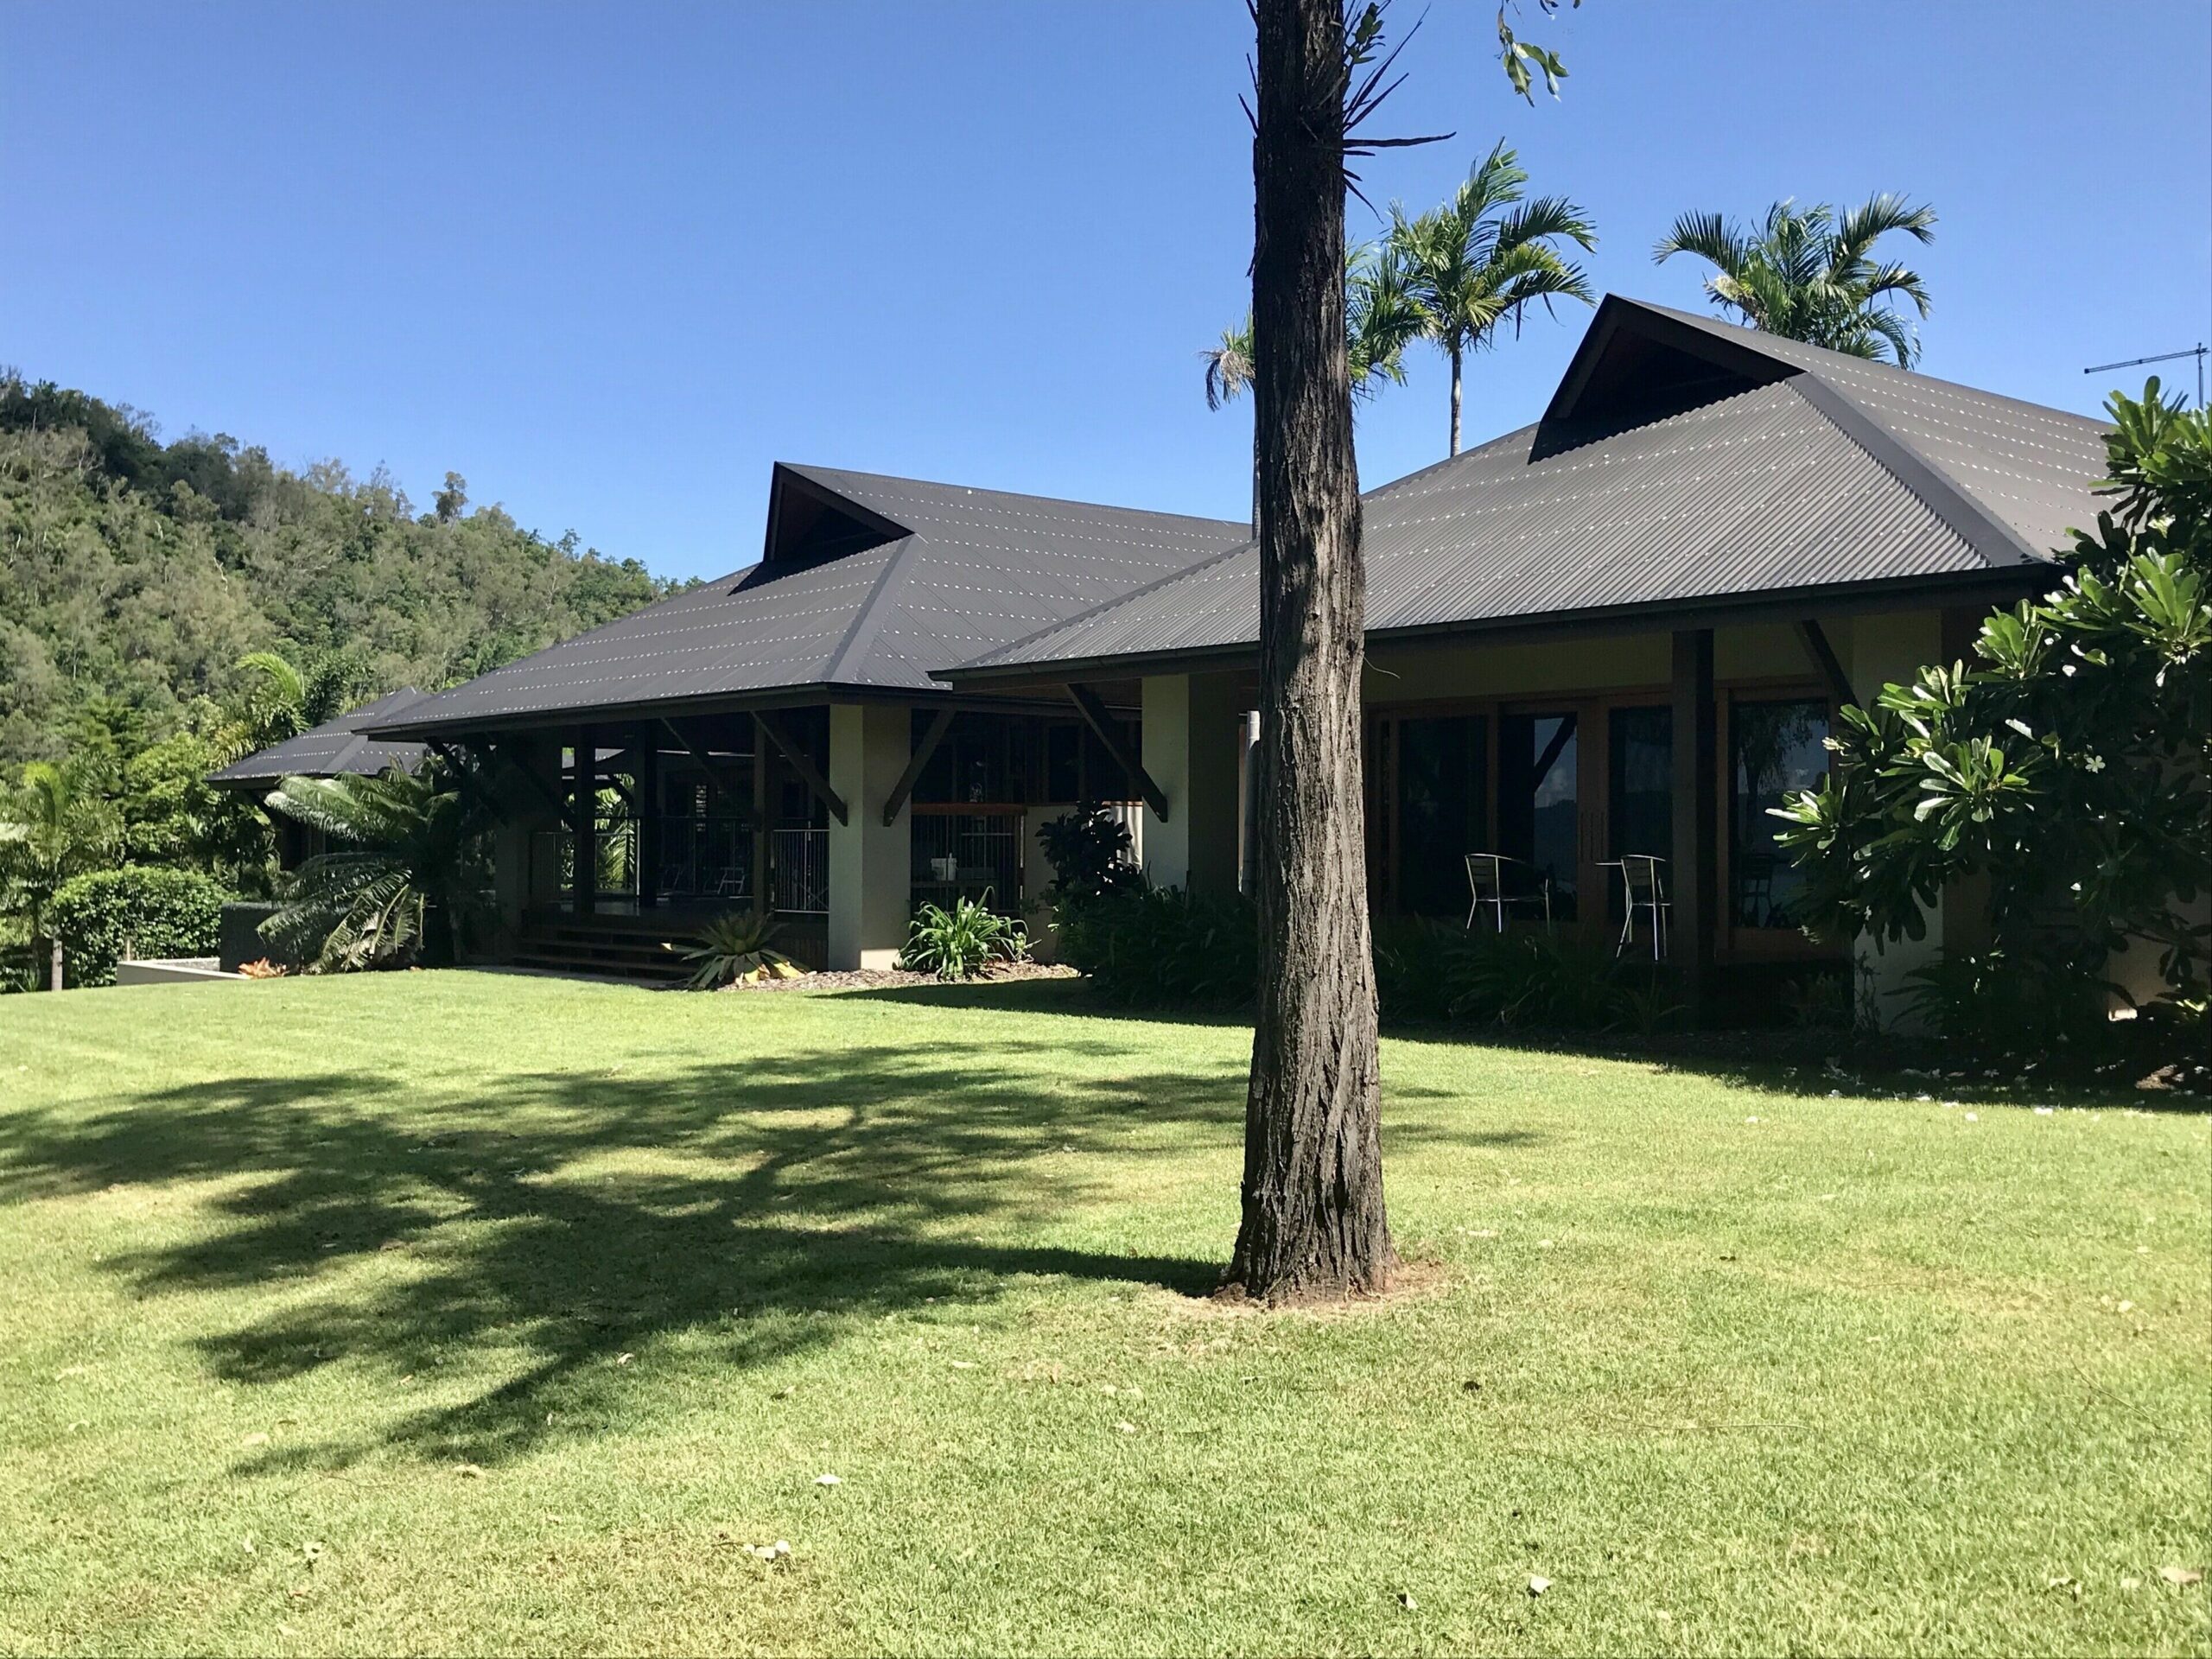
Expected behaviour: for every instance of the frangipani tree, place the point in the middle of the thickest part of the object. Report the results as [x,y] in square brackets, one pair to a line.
[2070,766]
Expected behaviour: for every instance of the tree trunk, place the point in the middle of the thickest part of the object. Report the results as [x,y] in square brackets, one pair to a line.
[1313,1223]
[1455,397]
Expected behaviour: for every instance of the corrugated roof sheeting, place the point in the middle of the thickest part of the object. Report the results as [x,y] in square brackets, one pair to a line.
[1756,492]
[336,749]
[980,568]
[2032,467]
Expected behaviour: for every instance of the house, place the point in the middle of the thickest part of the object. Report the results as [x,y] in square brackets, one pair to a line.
[1620,633]
[1617,635]
[774,739]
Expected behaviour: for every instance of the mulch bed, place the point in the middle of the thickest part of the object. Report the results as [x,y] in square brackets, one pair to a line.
[876,979]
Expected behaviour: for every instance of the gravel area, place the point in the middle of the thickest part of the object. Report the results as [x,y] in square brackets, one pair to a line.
[878,978]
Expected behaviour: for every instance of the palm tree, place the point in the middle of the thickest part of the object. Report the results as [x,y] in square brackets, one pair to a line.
[1381,317]
[281,700]
[1472,264]
[1812,275]
[57,825]
[405,885]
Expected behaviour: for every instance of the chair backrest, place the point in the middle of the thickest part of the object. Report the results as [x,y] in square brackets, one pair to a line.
[1485,880]
[1645,876]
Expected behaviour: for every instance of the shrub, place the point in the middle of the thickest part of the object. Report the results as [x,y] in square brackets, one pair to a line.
[739,945]
[1088,851]
[1993,1002]
[1412,959]
[970,939]
[1540,980]
[153,912]
[1166,947]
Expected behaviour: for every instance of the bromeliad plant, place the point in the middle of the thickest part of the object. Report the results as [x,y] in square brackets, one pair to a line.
[738,946]
[964,942]
[2071,766]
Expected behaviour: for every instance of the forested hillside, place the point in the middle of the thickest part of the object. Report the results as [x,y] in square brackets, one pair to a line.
[134,574]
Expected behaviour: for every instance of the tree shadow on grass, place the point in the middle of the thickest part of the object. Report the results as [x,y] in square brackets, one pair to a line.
[761,1209]
[1805,1061]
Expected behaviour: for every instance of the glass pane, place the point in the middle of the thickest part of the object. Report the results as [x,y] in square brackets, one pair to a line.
[1775,749]
[1539,801]
[1443,814]
[1640,808]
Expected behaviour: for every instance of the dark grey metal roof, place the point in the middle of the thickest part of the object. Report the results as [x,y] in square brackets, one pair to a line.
[1683,459]
[951,573]
[336,748]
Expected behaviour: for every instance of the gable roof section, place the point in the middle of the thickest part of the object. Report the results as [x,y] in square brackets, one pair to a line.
[337,748]
[867,581]
[1681,459]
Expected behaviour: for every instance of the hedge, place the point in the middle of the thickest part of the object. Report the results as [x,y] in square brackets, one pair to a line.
[152,912]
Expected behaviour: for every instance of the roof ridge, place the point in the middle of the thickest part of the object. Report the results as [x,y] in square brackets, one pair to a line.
[815,470]
[867,620]
[1896,454]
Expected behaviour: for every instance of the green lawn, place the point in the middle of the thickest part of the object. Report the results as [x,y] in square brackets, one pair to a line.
[454,1312]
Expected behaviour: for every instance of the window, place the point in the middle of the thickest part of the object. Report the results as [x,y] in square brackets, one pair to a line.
[1640,788]
[1775,750]
[1443,812]
[1539,808]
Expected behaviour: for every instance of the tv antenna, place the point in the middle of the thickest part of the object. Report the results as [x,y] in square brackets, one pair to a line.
[2196,351]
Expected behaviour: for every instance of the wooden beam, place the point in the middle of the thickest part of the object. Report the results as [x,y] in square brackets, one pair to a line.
[1693,885]
[583,822]
[467,779]
[816,784]
[1815,642]
[1087,703]
[714,770]
[484,750]
[938,725]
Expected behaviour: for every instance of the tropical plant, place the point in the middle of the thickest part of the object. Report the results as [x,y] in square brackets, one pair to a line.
[103,915]
[1088,851]
[407,884]
[1810,274]
[1166,947]
[1383,316]
[54,827]
[281,699]
[2071,766]
[738,945]
[967,940]
[1484,257]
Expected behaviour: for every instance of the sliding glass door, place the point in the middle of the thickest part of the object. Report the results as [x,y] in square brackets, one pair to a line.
[1540,802]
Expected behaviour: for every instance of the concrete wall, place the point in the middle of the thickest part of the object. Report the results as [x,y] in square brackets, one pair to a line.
[869,862]
[1194,749]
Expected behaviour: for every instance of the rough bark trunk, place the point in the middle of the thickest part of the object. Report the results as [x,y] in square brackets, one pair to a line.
[1455,400]
[1313,1221]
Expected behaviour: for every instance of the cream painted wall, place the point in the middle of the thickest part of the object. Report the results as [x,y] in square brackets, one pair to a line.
[869,862]
[1627,662]
[1886,649]
[1194,750]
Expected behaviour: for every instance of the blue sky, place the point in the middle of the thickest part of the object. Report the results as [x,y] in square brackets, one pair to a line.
[611,261]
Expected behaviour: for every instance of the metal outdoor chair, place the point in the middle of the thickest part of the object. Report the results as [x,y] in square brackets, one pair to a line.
[1643,886]
[1500,883]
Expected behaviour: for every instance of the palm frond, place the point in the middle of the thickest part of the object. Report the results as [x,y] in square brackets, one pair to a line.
[1230,365]
[1708,236]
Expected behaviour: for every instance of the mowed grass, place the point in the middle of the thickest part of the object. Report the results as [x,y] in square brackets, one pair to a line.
[453,1312]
